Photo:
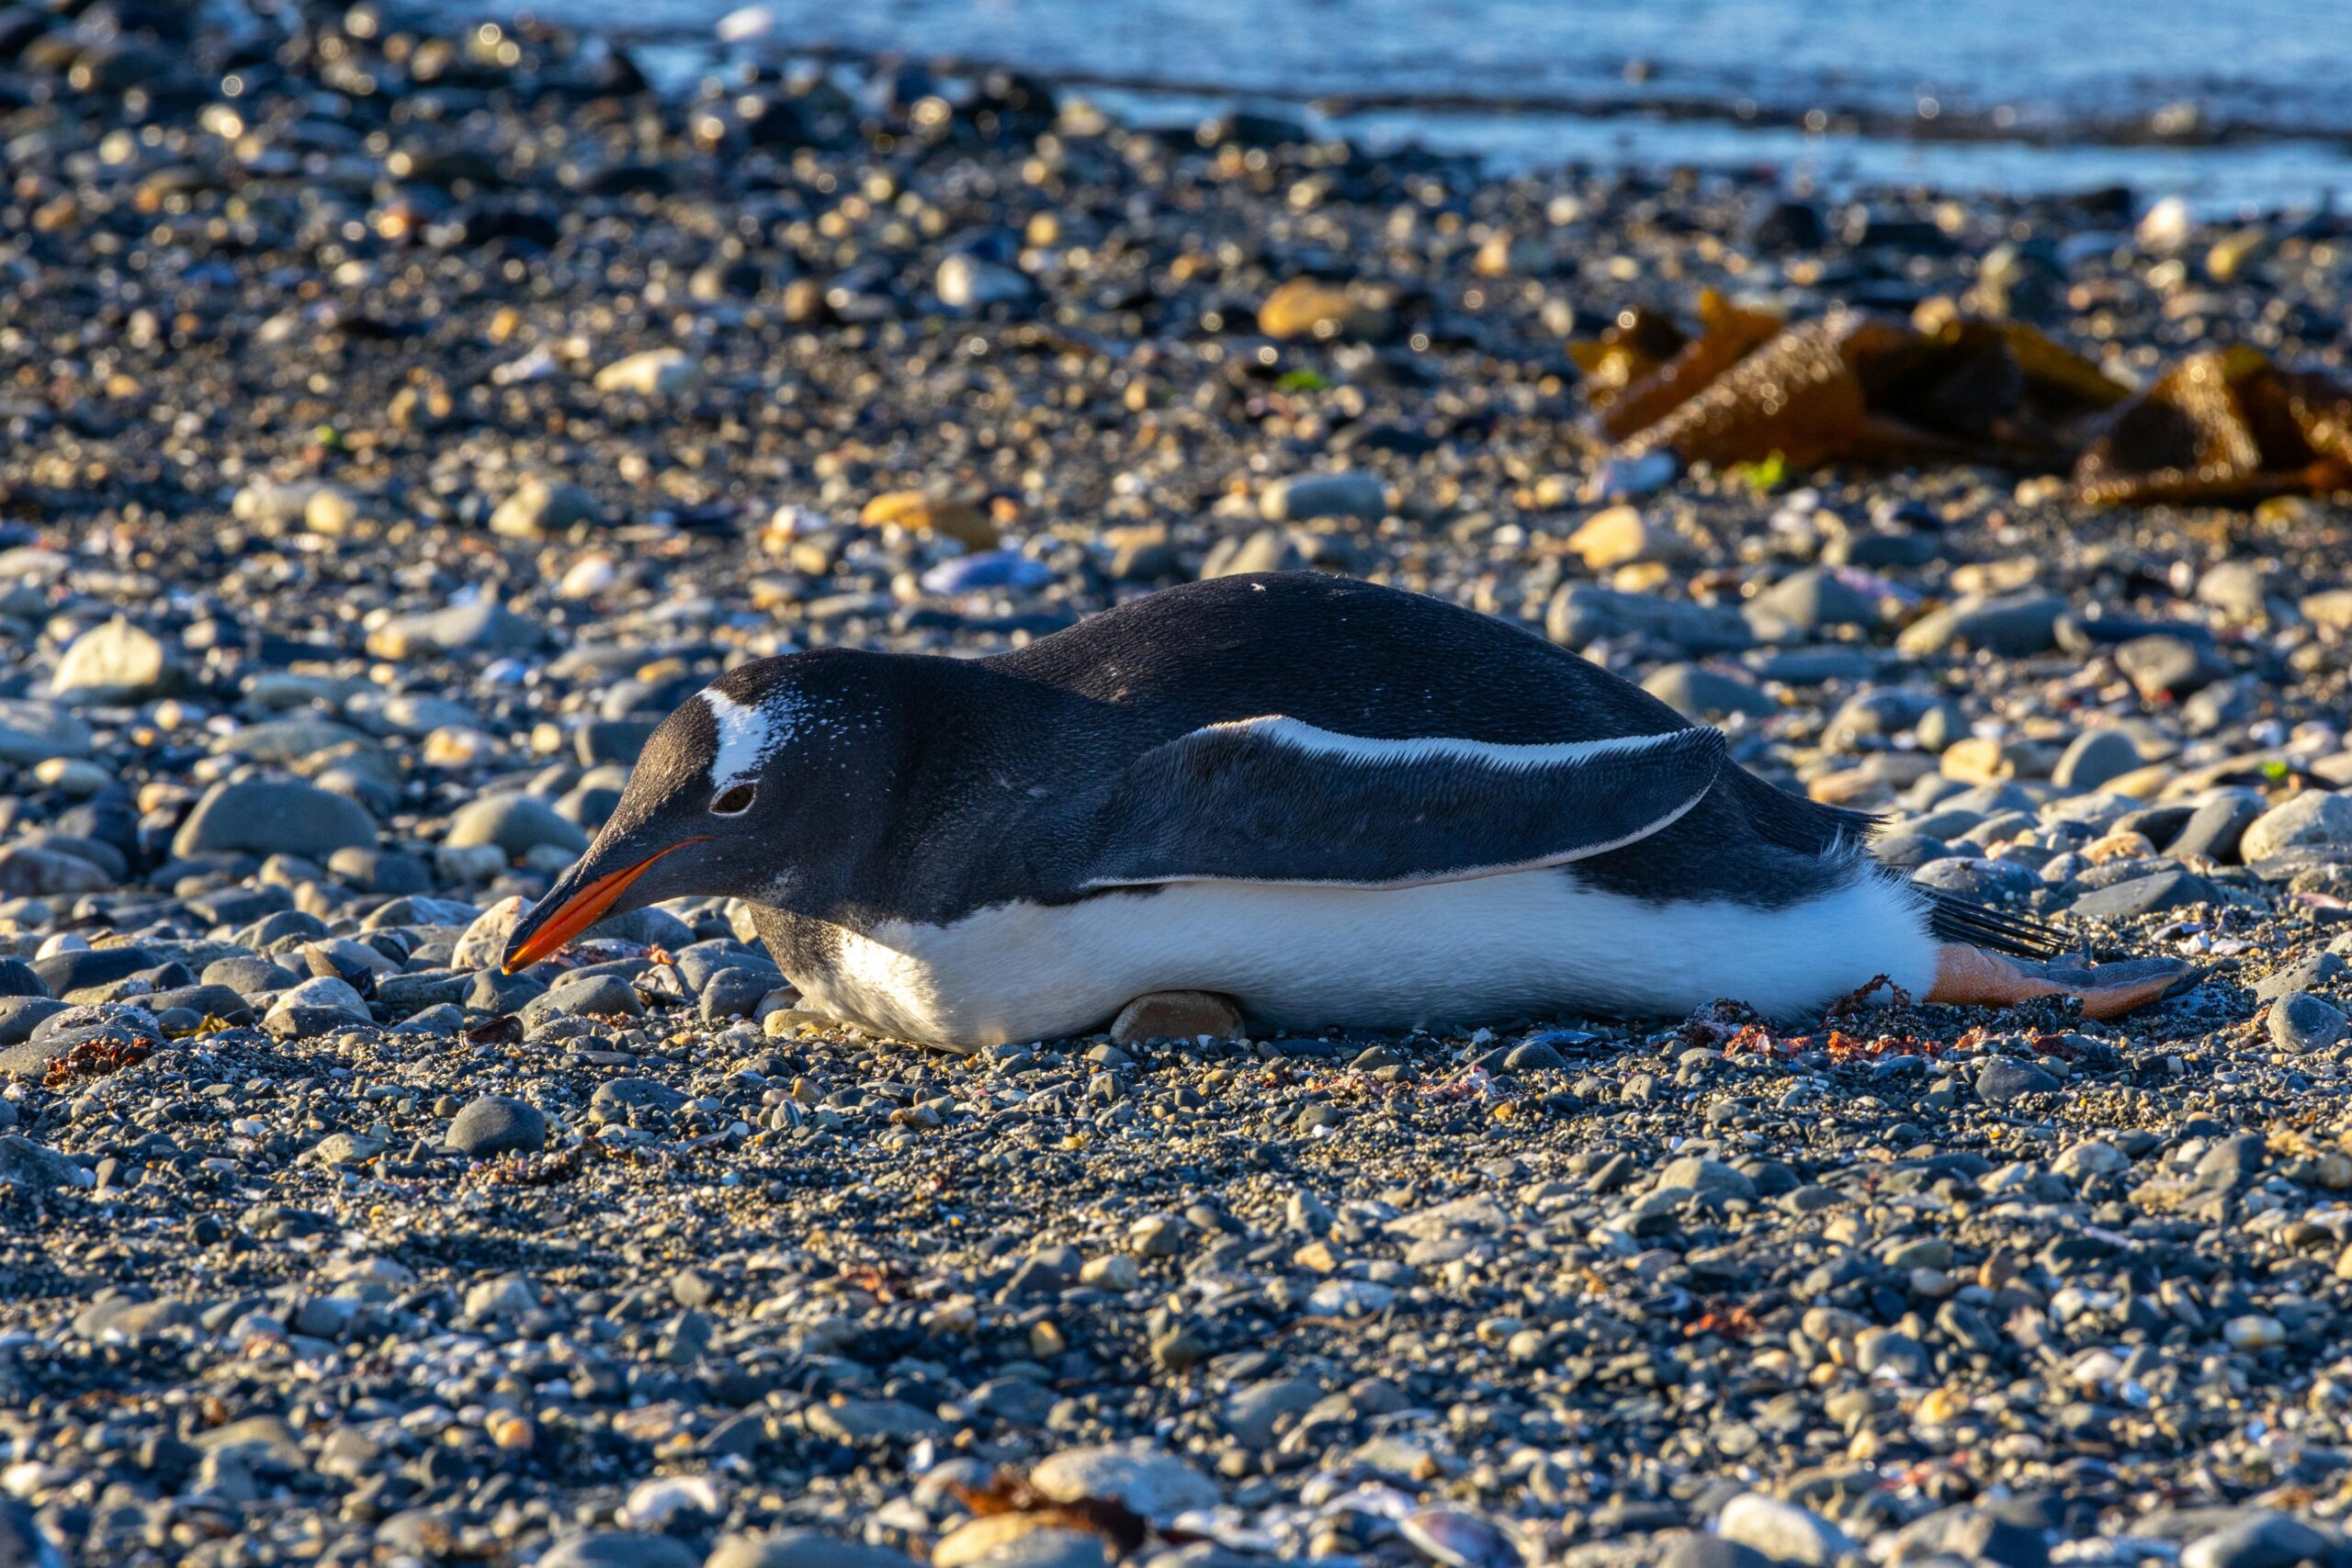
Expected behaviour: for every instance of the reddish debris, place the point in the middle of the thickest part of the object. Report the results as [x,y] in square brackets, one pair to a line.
[1847,1048]
[1857,1001]
[506,1029]
[96,1059]
[1009,1492]
[1733,1323]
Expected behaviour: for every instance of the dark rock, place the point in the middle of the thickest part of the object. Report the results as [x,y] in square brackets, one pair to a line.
[2169,889]
[2301,1022]
[497,1125]
[275,817]
[2005,1078]
[2270,1541]
[29,1164]
[2215,829]
[81,969]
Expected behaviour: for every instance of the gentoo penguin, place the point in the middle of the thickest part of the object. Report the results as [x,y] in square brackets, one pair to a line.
[1332,803]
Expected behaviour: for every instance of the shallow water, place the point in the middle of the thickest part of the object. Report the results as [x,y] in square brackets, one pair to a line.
[2049,88]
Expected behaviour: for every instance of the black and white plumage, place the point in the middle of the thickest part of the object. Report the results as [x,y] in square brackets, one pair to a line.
[1336,802]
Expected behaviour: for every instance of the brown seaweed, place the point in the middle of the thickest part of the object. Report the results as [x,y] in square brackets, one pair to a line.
[1851,386]
[2223,426]
[1727,334]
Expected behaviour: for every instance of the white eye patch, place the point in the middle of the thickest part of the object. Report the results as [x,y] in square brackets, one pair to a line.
[748,736]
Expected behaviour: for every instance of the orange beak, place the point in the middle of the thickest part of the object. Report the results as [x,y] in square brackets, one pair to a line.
[547,929]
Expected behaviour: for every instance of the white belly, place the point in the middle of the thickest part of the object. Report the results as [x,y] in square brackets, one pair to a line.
[1524,944]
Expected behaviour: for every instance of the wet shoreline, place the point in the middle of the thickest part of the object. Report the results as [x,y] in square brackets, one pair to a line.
[1856,95]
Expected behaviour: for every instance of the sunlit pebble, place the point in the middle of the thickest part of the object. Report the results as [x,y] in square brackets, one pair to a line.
[535,365]
[655,1502]
[1459,1539]
[588,576]
[789,524]
[510,1430]
[452,747]
[747,24]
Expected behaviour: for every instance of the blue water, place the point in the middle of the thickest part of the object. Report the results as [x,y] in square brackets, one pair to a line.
[2054,77]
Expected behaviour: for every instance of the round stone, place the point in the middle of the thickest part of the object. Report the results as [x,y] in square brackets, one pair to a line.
[515,824]
[2094,758]
[2005,1078]
[497,1125]
[267,816]
[2301,1022]
[1150,1480]
[117,662]
[2314,820]
[620,1549]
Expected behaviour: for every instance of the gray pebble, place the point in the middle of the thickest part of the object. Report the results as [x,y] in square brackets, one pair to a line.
[515,824]
[2093,758]
[2301,1022]
[497,1125]
[1701,693]
[2169,889]
[2005,1078]
[274,816]
[620,1549]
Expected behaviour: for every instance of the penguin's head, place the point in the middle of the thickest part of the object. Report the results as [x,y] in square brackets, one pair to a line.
[730,793]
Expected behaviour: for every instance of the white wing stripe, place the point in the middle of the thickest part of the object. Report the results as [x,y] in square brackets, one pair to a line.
[1299,736]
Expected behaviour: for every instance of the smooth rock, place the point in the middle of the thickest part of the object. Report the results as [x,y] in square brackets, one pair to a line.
[659,373]
[540,508]
[2301,1022]
[32,870]
[620,1549]
[2311,972]
[459,628]
[1619,536]
[2314,820]
[34,732]
[1150,1481]
[29,1164]
[2005,1078]
[2169,889]
[323,993]
[274,817]
[1308,308]
[515,824]
[922,512]
[967,283]
[2216,830]
[496,1124]
[117,662]
[1782,1531]
[802,1549]
[2094,758]
[2270,1541]
[1301,497]
[1699,693]
[1695,1173]
[2014,626]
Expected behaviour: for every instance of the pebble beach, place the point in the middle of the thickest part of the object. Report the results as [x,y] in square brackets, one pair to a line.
[402,418]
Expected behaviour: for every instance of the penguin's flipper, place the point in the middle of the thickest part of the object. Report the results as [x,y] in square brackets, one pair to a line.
[1277,800]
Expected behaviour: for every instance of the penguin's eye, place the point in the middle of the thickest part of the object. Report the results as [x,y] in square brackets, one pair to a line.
[734,800]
